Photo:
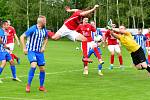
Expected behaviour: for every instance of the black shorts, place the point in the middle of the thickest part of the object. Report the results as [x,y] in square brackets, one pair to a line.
[138,56]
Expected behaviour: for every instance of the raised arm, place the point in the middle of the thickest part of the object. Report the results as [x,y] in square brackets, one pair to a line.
[84,13]
[70,10]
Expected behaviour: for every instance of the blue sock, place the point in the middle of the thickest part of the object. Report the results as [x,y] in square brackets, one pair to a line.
[13,70]
[1,69]
[42,78]
[147,61]
[31,75]
[100,67]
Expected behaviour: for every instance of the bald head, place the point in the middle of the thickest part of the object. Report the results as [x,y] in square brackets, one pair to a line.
[41,21]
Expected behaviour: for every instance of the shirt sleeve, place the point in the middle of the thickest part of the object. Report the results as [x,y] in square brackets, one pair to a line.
[30,31]
[46,35]
[14,31]
[1,32]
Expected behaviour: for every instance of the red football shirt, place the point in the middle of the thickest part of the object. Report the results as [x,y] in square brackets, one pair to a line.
[148,38]
[86,30]
[111,40]
[73,22]
[10,34]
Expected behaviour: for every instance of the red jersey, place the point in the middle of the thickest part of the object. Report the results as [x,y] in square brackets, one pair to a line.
[86,30]
[148,39]
[111,40]
[10,34]
[73,22]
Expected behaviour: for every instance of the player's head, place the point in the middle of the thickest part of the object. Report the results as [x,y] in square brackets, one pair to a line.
[114,25]
[41,21]
[140,30]
[85,20]
[4,24]
[122,28]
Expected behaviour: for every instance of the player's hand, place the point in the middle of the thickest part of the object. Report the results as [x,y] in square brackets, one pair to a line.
[96,6]
[67,8]
[42,49]
[25,51]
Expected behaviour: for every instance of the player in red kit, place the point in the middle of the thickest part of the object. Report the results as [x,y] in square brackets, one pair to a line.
[86,29]
[113,46]
[148,44]
[11,34]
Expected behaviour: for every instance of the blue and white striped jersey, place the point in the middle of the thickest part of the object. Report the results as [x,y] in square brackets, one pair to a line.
[3,36]
[98,32]
[141,40]
[35,38]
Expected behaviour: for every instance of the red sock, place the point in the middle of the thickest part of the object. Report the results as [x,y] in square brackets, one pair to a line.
[84,49]
[112,59]
[120,60]
[97,53]
[85,64]
[14,56]
[149,58]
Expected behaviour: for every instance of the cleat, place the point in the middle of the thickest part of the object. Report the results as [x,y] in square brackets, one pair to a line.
[100,73]
[87,60]
[28,88]
[16,79]
[42,88]
[102,62]
[18,60]
[111,67]
[85,71]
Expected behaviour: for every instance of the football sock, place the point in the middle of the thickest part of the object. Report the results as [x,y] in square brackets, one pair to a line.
[148,69]
[84,49]
[85,63]
[1,69]
[31,75]
[97,53]
[149,58]
[100,67]
[12,56]
[42,78]
[120,60]
[13,70]
[112,59]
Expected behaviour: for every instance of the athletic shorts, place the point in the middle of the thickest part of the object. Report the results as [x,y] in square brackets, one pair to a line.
[91,51]
[90,45]
[5,56]
[36,57]
[138,56]
[71,34]
[114,48]
[11,46]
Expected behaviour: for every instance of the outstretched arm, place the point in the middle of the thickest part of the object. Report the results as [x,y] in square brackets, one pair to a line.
[67,8]
[84,13]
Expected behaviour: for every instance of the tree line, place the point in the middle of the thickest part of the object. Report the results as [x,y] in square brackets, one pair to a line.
[23,13]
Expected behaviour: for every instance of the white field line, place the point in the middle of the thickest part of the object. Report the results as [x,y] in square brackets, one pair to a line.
[13,98]
[61,72]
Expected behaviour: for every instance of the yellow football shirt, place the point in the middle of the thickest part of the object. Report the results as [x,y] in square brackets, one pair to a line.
[127,40]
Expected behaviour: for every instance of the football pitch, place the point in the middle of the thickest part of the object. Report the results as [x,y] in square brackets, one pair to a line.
[65,81]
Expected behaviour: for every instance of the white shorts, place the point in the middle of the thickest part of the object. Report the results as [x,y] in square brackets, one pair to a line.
[114,48]
[71,34]
[11,46]
[90,45]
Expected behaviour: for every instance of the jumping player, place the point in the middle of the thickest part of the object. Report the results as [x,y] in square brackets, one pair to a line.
[34,48]
[4,55]
[137,53]
[113,46]
[85,28]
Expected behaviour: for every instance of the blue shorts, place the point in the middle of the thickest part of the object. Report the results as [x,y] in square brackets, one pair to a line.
[5,56]
[91,51]
[36,57]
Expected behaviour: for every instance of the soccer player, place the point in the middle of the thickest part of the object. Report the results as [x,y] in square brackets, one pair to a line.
[69,27]
[113,46]
[4,55]
[137,53]
[148,44]
[11,34]
[34,48]
[85,28]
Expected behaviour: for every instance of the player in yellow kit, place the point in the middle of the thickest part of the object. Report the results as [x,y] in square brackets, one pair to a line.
[130,44]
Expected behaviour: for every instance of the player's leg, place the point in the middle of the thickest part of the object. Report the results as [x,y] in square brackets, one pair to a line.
[148,50]
[111,49]
[118,50]
[41,64]
[3,61]
[33,62]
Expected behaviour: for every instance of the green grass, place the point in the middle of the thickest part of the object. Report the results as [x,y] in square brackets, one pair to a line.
[64,79]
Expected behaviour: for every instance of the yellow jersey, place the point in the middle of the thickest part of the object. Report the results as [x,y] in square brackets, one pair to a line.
[127,40]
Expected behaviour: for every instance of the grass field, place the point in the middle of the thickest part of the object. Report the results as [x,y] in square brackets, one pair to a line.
[65,81]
